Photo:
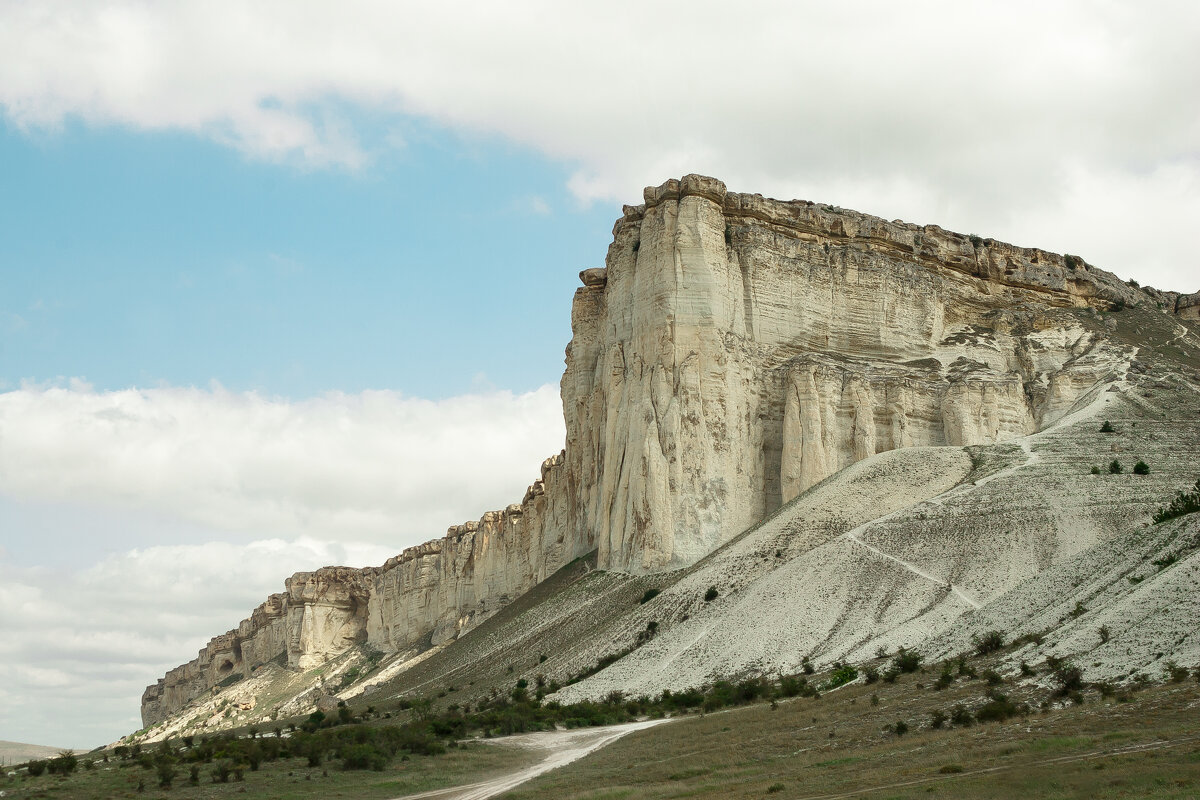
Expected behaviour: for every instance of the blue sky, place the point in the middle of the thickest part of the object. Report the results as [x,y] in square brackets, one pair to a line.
[288,284]
[138,259]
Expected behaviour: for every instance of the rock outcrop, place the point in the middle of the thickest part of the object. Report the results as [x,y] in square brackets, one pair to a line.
[1187,306]
[425,596]
[734,351]
[740,349]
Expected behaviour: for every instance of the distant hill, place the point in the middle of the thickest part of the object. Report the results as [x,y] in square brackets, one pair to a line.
[19,752]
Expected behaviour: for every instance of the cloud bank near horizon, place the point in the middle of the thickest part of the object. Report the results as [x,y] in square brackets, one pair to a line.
[80,645]
[377,467]
[1058,125]
[236,492]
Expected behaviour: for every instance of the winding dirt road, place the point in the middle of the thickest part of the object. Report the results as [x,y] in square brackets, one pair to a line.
[561,747]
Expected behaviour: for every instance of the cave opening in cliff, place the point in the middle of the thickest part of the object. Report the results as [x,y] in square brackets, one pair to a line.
[225,667]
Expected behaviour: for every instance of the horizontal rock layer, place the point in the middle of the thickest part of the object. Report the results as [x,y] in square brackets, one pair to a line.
[733,351]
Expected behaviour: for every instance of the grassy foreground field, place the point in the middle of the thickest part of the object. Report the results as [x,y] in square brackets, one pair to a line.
[291,779]
[1148,747]
[859,740]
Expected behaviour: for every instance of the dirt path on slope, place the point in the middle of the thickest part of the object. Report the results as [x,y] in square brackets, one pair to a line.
[561,748]
[1086,407]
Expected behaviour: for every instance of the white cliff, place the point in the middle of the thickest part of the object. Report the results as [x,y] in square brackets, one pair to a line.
[733,352]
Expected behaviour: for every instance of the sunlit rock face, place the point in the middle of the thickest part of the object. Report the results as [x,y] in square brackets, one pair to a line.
[732,352]
[425,596]
[739,350]
[326,613]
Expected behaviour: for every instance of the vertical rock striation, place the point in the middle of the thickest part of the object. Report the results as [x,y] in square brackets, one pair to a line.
[739,350]
[732,352]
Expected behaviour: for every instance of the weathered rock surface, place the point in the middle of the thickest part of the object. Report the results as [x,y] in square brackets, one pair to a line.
[742,349]
[733,352]
[1187,306]
[927,547]
[427,595]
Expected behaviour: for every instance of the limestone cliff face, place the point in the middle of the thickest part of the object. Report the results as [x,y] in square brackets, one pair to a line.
[736,350]
[733,352]
[427,595]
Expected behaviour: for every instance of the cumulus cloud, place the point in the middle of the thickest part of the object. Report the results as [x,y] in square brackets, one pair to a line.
[80,645]
[374,467]
[289,486]
[977,116]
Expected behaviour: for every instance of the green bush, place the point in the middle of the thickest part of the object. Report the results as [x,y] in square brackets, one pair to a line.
[1184,503]
[795,686]
[363,756]
[1141,468]
[989,642]
[937,719]
[1174,672]
[960,715]
[1115,468]
[997,709]
[1068,676]
[62,764]
[36,767]
[1107,427]
[906,660]
[649,595]
[711,594]
[224,769]
[166,774]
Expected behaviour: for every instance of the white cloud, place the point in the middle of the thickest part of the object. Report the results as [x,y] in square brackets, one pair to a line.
[78,646]
[339,479]
[375,467]
[964,114]
[234,492]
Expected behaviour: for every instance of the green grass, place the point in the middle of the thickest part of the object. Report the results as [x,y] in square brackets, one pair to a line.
[829,746]
[741,753]
[1055,744]
[290,779]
